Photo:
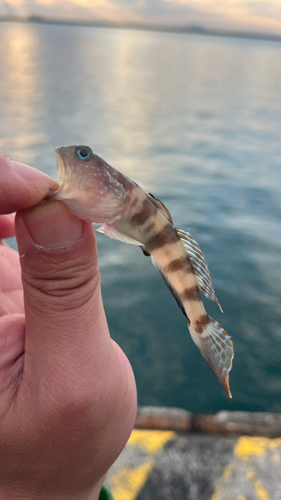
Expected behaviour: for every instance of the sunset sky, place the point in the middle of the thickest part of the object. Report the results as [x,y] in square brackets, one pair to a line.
[248,15]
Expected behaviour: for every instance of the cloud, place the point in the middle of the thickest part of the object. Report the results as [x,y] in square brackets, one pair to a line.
[172,12]
[100,10]
[266,10]
[249,14]
[255,15]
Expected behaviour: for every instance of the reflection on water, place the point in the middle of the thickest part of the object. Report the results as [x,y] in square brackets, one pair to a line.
[129,100]
[197,121]
[22,100]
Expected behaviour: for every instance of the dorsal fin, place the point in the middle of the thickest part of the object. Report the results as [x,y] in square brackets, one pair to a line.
[158,204]
[199,264]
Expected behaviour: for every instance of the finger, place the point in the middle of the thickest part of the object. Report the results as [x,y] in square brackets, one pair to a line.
[61,281]
[67,338]
[7,226]
[21,186]
[72,370]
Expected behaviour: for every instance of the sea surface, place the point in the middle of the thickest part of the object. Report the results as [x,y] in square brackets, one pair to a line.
[195,120]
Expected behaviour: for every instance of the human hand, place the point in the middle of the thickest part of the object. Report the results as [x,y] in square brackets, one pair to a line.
[67,391]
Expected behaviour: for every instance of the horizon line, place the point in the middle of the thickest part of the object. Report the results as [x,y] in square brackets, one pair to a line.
[184,29]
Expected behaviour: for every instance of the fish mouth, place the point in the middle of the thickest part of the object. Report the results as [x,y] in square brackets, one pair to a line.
[60,165]
[62,174]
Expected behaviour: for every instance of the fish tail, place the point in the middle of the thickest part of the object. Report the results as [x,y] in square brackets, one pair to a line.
[215,346]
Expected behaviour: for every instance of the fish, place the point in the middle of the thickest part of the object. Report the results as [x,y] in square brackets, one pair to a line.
[96,192]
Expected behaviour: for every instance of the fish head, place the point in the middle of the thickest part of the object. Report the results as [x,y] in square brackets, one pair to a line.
[89,186]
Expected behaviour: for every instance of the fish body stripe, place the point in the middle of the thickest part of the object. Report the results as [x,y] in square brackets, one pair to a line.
[166,246]
[140,217]
[150,226]
[182,263]
[192,293]
[205,319]
[147,210]
[166,235]
[134,202]
[201,322]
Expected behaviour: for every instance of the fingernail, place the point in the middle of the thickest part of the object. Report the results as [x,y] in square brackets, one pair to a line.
[51,225]
[33,176]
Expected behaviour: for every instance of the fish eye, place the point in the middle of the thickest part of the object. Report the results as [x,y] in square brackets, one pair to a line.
[84,153]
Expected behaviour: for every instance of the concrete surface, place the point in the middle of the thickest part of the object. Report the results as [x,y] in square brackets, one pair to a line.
[166,465]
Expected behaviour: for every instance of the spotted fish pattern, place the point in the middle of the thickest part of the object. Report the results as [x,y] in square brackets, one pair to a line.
[96,192]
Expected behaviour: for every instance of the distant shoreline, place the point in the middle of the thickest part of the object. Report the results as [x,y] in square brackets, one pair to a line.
[192,30]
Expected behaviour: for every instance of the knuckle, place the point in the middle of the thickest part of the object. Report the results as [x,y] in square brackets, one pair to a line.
[63,284]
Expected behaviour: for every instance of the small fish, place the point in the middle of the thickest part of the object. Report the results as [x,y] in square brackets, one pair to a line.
[96,192]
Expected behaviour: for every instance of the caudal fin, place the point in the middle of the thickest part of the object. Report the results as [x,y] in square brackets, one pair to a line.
[216,348]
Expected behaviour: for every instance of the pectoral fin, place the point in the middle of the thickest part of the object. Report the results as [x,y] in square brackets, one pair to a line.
[200,265]
[145,252]
[112,232]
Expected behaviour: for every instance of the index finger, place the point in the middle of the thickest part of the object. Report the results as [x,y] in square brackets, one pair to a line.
[21,186]
[7,226]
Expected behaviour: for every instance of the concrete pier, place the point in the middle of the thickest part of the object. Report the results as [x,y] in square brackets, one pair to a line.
[175,455]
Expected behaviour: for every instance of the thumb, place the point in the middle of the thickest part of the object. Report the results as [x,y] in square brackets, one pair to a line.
[68,347]
[77,396]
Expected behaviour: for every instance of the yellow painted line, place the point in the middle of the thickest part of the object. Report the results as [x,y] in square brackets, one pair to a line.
[227,473]
[247,447]
[128,482]
[216,495]
[150,441]
[261,492]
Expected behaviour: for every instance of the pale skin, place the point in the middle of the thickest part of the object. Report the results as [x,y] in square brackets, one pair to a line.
[67,390]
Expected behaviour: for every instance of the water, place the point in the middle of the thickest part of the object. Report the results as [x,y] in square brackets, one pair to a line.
[196,121]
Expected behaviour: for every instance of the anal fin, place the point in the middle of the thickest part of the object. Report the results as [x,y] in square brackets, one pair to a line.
[170,286]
